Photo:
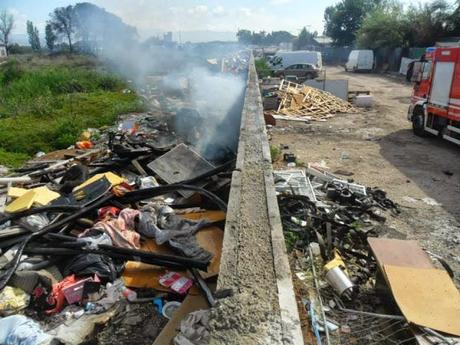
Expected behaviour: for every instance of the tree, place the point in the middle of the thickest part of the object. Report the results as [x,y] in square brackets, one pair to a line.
[277,37]
[98,28]
[263,38]
[50,37]
[344,19]
[305,39]
[34,38]
[6,25]
[244,36]
[62,22]
[429,22]
[455,20]
[384,28]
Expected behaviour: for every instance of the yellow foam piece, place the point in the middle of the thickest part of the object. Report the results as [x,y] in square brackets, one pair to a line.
[22,203]
[44,195]
[25,198]
[110,176]
[16,192]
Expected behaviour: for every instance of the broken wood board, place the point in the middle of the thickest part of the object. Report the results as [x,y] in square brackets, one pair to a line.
[426,297]
[140,275]
[180,164]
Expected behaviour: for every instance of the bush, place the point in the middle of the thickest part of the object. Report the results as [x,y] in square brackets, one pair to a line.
[263,69]
[10,72]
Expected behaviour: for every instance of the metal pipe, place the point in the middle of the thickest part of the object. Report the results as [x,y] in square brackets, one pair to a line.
[323,314]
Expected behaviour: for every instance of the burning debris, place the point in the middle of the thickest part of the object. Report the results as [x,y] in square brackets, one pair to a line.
[131,216]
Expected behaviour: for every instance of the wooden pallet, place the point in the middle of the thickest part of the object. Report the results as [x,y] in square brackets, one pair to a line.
[301,100]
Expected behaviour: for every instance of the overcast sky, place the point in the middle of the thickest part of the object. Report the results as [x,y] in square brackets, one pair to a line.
[154,16]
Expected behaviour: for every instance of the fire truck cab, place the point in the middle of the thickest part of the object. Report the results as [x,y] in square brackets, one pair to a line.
[435,101]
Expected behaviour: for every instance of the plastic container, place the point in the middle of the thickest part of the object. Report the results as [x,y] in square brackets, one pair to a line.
[170,308]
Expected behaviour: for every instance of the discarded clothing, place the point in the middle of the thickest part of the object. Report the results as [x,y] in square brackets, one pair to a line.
[20,330]
[84,265]
[162,224]
[121,229]
[194,329]
[94,240]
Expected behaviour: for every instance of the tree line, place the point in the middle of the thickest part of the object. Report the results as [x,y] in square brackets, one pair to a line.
[388,24]
[262,38]
[85,22]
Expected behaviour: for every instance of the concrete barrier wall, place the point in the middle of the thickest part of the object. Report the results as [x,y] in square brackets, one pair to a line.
[254,263]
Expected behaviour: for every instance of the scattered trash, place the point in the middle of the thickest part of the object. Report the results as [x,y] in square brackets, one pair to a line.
[169,309]
[20,330]
[430,201]
[12,300]
[289,158]
[363,101]
[120,227]
[176,282]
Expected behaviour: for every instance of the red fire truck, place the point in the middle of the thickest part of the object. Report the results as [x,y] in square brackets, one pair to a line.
[435,101]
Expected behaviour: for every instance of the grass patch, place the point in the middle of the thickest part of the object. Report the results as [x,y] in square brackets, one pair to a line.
[275,153]
[11,159]
[263,69]
[46,108]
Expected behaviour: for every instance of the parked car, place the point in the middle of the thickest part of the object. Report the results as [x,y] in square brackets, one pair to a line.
[301,71]
[283,59]
[360,60]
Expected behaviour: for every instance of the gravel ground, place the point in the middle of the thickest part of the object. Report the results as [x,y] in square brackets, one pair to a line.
[379,148]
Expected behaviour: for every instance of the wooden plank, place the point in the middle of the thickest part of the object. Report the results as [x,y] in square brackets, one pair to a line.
[406,253]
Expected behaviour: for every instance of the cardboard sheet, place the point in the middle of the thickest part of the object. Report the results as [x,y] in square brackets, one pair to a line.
[426,297]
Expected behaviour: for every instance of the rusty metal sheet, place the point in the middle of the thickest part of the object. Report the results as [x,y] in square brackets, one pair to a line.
[395,252]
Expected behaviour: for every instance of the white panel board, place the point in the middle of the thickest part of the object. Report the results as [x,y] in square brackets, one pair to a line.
[442,82]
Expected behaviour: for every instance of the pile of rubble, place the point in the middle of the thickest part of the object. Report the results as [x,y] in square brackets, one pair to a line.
[121,232]
[352,286]
[306,102]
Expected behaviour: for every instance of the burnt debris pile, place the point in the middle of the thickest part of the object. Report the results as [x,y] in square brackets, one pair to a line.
[121,231]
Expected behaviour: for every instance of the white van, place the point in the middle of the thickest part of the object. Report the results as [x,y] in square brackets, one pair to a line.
[360,60]
[283,59]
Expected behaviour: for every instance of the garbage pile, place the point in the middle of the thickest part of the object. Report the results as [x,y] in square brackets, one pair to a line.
[302,101]
[120,231]
[343,271]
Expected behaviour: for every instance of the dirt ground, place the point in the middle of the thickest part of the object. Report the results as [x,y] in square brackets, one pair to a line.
[379,148]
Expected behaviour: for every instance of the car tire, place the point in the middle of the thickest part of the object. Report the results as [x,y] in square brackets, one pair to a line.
[418,122]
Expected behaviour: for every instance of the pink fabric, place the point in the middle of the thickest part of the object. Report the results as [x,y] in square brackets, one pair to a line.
[121,230]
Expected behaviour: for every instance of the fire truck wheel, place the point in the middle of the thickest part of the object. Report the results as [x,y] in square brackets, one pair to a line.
[418,124]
